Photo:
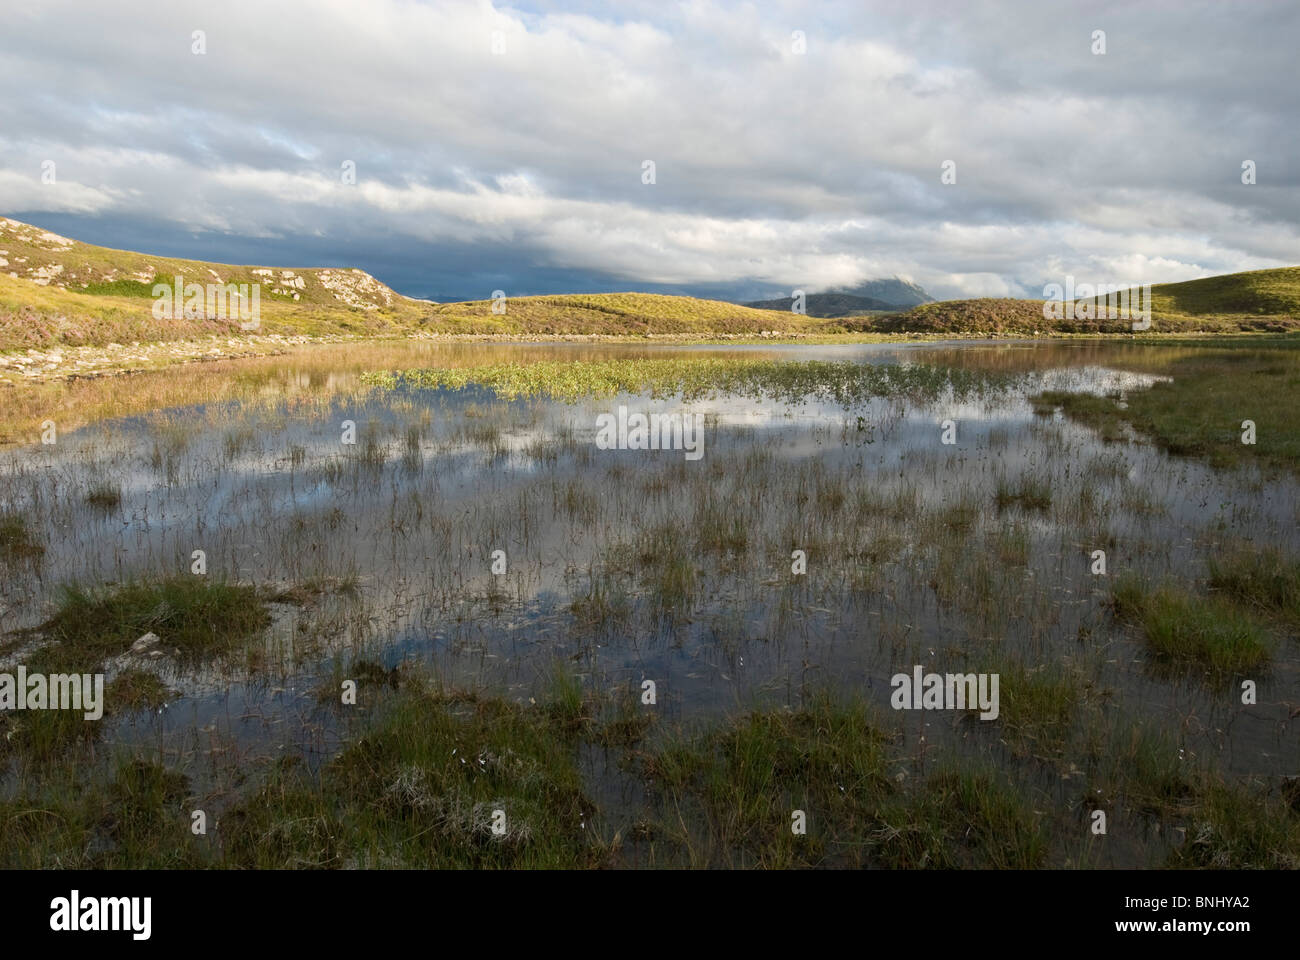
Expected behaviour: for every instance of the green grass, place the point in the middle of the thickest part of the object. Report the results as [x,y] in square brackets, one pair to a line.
[1200,411]
[104,495]
[1256,301]
[695,377]
[138,817]
[1191,631]
[664,566]
[963,819]
[197,616]
[421,789]
[17,541]
[137,690]
[1100,413]
[1263,292]
[125,288]
[1037,706]
[605,602]
[1231,828]
[418,785]
[836,762]
[1264,579]
[1029,492]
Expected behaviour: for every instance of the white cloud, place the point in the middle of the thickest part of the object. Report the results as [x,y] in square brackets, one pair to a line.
[813,170]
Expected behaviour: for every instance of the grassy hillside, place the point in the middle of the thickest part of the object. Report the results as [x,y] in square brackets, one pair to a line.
[56,292]
[49,260]
[1258,301]
[41,317]
[59,292]
[1268,292]
[613,313]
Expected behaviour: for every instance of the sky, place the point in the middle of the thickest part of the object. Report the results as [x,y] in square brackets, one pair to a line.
[794,146]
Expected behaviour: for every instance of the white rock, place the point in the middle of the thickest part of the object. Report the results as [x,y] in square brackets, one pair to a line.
[145,642]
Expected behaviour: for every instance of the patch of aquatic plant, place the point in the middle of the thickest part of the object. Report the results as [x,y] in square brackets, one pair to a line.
[104,495]
[690,378]
[137,818]
[1030,492]
[1265,579]
[1037,707]
[1200,411]
[834,761]
[444,780]
[196,616]
[137,690]
[17,541]
[1187,630]
[1229,827]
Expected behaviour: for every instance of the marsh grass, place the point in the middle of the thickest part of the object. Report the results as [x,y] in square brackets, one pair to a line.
[1186,631]
[17,541]
[836,761]
[137,690]
[1012,545]
[104,495]
[1232,828]
[1262,579]
[1200,410]
[422,789]
[963,818]
[138,816]
[1100,413]
[195,616]
[665,568]
[1131,762]
[1038,706]
[604,603]
[692,378]
[1029,492]
[421,784]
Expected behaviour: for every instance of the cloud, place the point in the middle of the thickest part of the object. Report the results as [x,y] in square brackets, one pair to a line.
[774,169]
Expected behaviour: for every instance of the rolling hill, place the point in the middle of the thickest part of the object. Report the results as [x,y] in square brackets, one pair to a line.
[1263,301]
[59,292]
[56,292]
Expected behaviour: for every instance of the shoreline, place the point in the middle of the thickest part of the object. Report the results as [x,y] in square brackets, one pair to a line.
[55,364]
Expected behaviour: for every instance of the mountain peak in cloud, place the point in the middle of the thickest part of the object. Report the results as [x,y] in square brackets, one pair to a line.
[894,291]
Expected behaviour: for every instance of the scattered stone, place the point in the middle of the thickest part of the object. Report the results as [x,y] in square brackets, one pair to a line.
[145,642]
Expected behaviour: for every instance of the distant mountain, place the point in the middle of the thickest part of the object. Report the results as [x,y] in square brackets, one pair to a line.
[893,291]
[827,305]
[874,295]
